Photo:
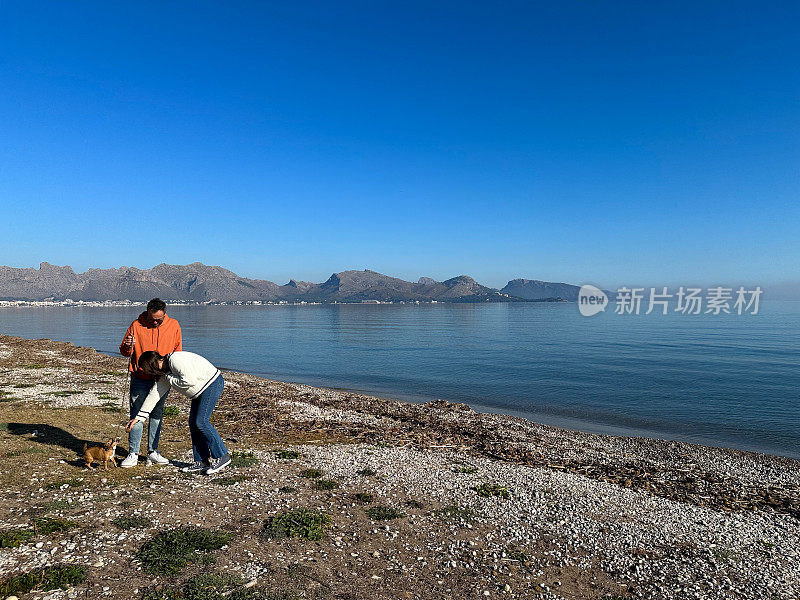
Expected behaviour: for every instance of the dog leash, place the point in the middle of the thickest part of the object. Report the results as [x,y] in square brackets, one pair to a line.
[126,390]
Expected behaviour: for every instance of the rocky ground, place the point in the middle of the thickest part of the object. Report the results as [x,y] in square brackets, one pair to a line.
[486,505]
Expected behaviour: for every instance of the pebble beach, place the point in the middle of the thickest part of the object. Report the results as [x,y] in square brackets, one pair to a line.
[422,500]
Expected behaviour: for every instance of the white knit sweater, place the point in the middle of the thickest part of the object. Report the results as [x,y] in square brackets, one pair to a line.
[189,373]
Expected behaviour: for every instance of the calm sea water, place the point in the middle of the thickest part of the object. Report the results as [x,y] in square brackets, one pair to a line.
[719,380]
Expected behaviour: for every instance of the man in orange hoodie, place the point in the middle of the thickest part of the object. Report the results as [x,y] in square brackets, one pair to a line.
[153,330]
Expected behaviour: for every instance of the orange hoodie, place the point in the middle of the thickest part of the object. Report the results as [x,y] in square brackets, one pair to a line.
[164,339]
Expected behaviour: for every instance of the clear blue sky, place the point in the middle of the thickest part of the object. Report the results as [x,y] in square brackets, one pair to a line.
[611,142]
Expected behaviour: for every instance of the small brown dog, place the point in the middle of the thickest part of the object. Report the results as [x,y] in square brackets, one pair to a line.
[102,453]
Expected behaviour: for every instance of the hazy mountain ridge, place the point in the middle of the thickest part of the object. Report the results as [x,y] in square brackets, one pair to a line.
[535,289]
[197,282]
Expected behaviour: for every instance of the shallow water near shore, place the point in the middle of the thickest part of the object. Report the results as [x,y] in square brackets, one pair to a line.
[719,380]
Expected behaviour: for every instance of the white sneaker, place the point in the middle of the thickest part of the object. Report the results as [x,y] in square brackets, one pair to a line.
[130,461]
[155,457]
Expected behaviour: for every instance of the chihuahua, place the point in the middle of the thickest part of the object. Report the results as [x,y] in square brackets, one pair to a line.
[102,453]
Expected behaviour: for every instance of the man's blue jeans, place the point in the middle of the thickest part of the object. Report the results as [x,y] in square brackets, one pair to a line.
[139,390]
[206,441]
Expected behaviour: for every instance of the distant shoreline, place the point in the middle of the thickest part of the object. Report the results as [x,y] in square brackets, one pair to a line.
[128,303]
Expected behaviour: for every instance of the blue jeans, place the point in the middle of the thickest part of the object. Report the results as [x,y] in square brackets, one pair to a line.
[139,390]
[206,441]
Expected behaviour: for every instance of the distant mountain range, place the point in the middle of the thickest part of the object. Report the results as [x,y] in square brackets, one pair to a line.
[197,282]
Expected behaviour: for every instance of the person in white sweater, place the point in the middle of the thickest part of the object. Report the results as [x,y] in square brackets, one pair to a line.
[201,382]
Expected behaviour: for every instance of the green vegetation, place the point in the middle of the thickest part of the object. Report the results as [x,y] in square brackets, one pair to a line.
[55,505]
[300,523]
[466,469]
[367,472]
[170,551]
[726,553]
[489,490]
[216,587]
[45,578]
[12,538]
[135,522]
[414,504]
[364,497]
[22,386]
[105,396]
[65,393]
[458,513]
[515,553]
[227,480]
[113,373]
[52,525]
[325,484]
[62,482]
[287,454]
[111,407]
[243,459]
[287,489]
[311,473]
[171,411]
[34,366]
[384,513]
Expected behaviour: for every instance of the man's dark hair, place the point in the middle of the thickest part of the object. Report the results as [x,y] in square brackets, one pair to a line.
[155,305]
[148,363]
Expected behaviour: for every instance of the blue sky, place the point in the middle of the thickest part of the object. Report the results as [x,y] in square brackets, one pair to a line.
[612,142]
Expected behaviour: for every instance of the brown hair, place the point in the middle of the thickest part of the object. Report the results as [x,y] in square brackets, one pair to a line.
[148,363]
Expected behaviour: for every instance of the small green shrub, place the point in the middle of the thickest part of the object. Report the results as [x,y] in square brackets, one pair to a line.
[55,505]
[287,454]
[287,489]
[300,523]
[112,408]
[45,578]
[214,587]
[68,482]
[12,538]
[515,553]
[50,525]
[364,497]
[325,484]
[367,472]
[458,513]
[135,522]
[226,480]
[384,513]
[466,469]
[169,551]
[33,366]
[171,411]
[311,473]
[489,490]
[243,459]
